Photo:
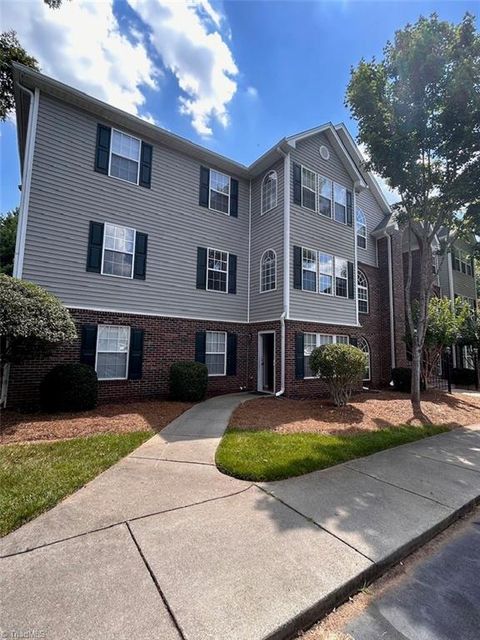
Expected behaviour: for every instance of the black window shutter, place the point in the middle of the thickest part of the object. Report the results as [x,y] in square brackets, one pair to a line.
[297,267]
[95,246]
[146,157]
[140,260]
[349,208]
[351,288]
[232,273]
[201,268]
[297,183]
[204,186]
[454,257]
[234,197]
[135,359]
[88,348]
[102,152]
[231,354]
[299,356]
[353,341]
[200,345]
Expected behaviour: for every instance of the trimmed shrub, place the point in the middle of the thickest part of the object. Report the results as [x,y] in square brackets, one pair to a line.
[188,381]
[69,387]
[464,377]
[402,379]
[341,367]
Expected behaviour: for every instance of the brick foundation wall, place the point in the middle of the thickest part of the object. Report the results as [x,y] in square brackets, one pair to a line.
[166,340]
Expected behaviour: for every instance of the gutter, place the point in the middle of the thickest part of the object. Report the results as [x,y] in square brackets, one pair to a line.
[23,211]
[390,295]
[286,264]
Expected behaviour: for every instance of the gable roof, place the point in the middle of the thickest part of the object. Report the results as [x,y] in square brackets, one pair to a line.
[338,135]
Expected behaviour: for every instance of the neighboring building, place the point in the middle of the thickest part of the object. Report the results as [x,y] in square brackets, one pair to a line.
[166,251]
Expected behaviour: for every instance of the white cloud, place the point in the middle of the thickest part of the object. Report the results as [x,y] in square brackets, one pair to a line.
[392,196]
[252,92]
[187,36]
[80,44]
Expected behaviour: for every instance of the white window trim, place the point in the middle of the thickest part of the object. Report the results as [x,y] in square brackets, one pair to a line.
[103,326]
[227,272]
[302,167]
[217,375]
[314,251]
[210,189]
[114,275]
[360,235]
[366,287]
[117,154]
[272,171]
[317,344]
[337,184]
[369,379]
[332,195]
[261,272]
[333,276]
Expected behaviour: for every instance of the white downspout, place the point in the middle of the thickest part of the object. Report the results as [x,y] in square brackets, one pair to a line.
[392,310]
[23,211]
[286,265]
[249,247]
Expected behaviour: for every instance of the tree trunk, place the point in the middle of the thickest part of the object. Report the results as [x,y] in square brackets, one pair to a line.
[416,372]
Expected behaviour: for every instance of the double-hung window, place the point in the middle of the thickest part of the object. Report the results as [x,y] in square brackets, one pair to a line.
[112,352]
[269,191]
[118,251]
[124,156]
[313,340]
[219,191]
[216,353]
[325,196]
[217,270]
[340,211]
[268,264]
[309,270]
[309,189]
[361,223]
[362,292]
[325,273]
[341,277]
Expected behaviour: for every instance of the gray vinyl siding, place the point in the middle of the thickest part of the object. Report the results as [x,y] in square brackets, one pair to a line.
[374,215]
[66,194]
[314,231]
[267,233]
[463,284]
[443,277]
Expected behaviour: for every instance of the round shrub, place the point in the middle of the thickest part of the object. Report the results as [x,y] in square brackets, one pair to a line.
[341,367]
[188,381]
[69,387]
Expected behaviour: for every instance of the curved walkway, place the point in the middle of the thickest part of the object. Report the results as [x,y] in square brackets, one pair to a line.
[164,545]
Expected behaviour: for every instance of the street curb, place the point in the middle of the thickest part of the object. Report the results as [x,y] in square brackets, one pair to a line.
[305,619]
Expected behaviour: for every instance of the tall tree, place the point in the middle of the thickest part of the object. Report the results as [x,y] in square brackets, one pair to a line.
[10,51]
[418,113]
[8,236]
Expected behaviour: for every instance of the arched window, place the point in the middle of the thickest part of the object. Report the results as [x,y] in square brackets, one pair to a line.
[362,292]
[361,229]
[268,271]
[269,191]
[363,346]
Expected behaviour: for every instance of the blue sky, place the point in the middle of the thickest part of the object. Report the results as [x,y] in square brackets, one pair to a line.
[234,76]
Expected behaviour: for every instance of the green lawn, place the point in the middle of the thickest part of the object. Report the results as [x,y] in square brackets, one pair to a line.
[264,456]
[34,477]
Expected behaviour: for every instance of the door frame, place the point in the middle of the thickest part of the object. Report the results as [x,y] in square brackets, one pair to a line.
[260,369]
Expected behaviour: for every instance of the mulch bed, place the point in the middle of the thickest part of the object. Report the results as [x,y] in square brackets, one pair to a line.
[366,411]
[151,415]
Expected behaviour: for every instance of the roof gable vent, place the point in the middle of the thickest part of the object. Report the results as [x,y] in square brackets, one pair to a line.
[324,152]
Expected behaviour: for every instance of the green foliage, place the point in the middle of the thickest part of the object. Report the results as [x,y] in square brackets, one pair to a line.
[444,322]
[402,379]
[188,381]
[69,387]
[341,367]
[10,51]
[34,477]
[8,236]
[263,456]
[32,320]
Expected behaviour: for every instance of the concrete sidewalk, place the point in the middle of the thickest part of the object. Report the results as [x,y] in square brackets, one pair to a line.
[163,545]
